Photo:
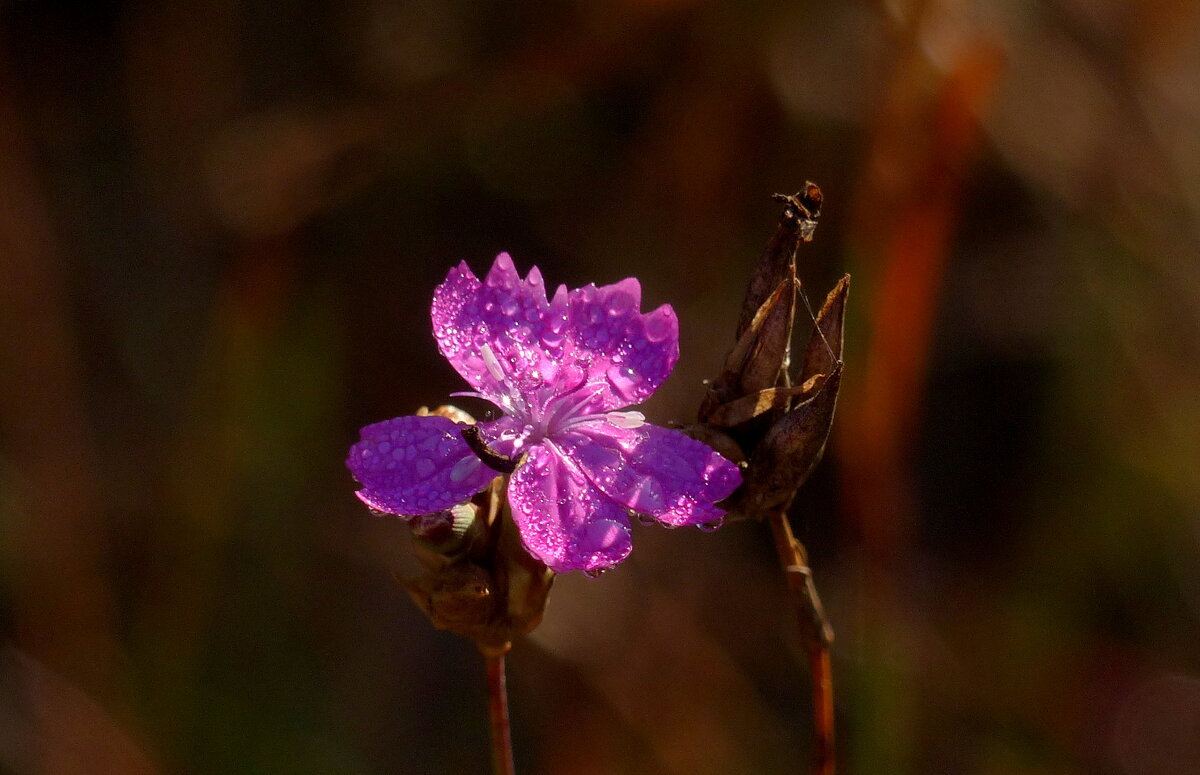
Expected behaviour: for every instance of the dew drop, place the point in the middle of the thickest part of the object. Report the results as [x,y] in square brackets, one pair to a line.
[595,573]
[710,527]
[645,519]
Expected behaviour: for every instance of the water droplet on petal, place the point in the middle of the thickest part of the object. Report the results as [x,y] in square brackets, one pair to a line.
[595,573]
[709,527]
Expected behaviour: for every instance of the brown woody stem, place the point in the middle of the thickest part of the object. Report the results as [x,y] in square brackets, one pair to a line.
[816,634]
[502,755]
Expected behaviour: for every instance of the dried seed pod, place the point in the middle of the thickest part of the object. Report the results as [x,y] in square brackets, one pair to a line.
[792,448]
[781,429]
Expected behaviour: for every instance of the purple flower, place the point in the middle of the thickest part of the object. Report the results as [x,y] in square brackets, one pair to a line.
[560,370]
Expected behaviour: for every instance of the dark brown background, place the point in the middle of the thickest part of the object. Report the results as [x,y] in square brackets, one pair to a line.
[220,225]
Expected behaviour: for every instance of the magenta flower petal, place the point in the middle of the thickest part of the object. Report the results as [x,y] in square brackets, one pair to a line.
[662,473]
[522,351]
[564,520]
[489,330]
[416,465]
[630,352]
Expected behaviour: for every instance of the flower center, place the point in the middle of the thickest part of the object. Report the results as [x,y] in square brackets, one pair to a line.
[547,416]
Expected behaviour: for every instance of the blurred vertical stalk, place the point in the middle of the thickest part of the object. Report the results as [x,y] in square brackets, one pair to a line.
[63,680]
[502,755]
[924,141]
[63,604]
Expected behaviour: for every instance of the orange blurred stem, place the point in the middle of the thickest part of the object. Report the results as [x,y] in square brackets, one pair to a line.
[816,634]
[502,756]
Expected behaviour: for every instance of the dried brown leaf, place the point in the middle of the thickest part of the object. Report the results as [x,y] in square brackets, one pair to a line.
[791,449]
[760,357]
[746,408]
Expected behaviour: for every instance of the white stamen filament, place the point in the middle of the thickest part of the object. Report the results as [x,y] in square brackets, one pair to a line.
[503,402]
[562,414]
[627,420]
[490,361]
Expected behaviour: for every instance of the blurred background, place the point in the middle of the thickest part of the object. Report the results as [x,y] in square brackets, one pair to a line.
[220,227]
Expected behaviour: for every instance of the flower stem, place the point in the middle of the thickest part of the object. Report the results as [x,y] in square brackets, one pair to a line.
[816,634]
[502,756]
[822,699]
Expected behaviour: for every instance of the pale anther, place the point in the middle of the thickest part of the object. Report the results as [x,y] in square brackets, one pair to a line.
[490,361]
[626,419]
